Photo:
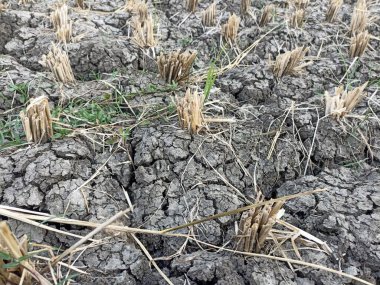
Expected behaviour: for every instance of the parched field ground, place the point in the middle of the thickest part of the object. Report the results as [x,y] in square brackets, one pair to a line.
[117,144]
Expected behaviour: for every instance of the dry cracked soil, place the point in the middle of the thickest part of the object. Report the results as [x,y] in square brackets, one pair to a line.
[116,137]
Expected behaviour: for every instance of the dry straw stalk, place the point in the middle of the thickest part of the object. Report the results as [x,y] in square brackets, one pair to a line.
[189,110]
[37,121]
[359,20]
[230,29]
[3,7]
[267,15]
[143,32]
[290,62]
[175,66]
[296,19]
[62,25]
[256,224]
[209,16]
[245,6]
[333,10]
[58,62]
[343,101]
[192,5]
[359,43]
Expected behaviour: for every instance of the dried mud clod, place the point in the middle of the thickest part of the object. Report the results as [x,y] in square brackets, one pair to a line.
[175,66]
[58,62]
[343,102]
[209,16]
[189,110]
[37,121]
[267,15]
[359,43]
[332,12]
[230,29]
[296,19]
[290,62]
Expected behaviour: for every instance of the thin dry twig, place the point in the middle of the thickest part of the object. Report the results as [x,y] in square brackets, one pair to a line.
[267,15]
[343,101]
[175,66]
[290,62]
[359,43]
[37,121]
[332,12]
[209,16]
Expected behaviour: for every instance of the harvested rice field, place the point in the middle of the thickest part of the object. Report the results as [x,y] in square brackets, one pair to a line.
[190,142]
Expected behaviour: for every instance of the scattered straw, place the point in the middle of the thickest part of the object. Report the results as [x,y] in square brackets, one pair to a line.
[296,19]
[37,120]
[333,10]
[230,29]
[359,20]
[191,5]
[343,101]
[209,15]
[58,62]
[267,15]
[359,43]
[62,25]
[175,66]
[3,7]
[189,110]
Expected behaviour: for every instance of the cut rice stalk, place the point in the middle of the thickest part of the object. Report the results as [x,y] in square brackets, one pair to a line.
[37,121]
[209,15]
[175,66]
[296,19]
[58,62]
[290,62]
[191,5]
[230,29]
[359,43]
[343,101]
[333,10]
[267,15]
[245,7]
[359,20]
[189,110]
